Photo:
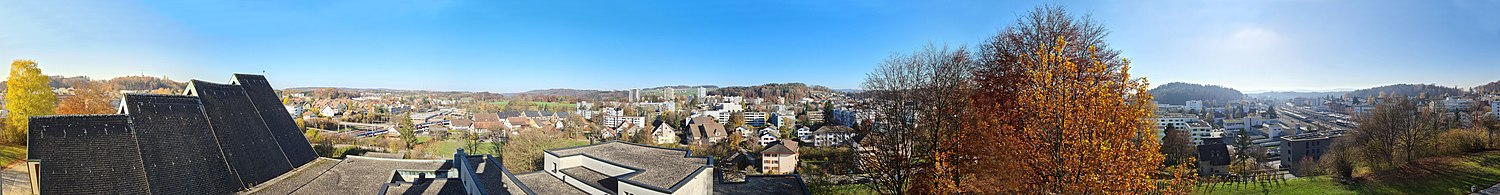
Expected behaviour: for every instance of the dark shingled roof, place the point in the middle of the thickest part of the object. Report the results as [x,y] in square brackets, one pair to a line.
[179,150]
[222,139]
[1215,154]
[764,184]
[293,143]
[86,154]
[244,137]
[662,168]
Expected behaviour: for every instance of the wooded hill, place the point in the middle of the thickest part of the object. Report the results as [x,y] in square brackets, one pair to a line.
[1407,90]
[1492,87]
[1179,93]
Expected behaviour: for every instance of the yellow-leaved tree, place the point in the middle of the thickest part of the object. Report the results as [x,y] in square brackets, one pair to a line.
[27,94]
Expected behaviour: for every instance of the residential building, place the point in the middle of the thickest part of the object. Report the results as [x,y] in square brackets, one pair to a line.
[804,133]
[663,133]
[849,117]
[1213,159]
[833,135]
[780,158]
[488,121]
[702,94]
[295,111]
[757,119]
[1495,108]
[329,111]
[704,130]
[1311,146]
[616,121]
[1199,130]
[783,118]
[1175,120]
[1194,105]
[1457,104]
[767,139]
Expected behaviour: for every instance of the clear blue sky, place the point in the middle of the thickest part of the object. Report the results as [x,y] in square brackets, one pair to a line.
[513,46]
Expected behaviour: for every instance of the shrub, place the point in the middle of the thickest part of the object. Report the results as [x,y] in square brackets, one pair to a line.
[1460,141]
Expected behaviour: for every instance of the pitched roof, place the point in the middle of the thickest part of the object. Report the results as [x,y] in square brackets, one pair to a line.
[487,117]
[778,149]
[834,129]
[1215,154]
[70,144]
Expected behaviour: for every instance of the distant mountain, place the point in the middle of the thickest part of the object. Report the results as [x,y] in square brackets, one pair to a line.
[1407,90]
[1492,87]
[1179,93]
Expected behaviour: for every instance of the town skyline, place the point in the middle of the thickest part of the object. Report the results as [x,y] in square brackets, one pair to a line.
[516,47]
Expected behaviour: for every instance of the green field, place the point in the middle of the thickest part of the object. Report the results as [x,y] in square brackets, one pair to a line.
[1436,175]
[11,154]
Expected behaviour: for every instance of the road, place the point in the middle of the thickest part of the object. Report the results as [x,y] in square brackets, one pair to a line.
[16,180]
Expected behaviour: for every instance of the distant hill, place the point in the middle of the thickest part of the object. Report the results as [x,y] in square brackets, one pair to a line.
[788,90]
[1407,90]
[565,92]
[1282,95]
[120,83]
[1179,93]
[145,83]
[1492,87]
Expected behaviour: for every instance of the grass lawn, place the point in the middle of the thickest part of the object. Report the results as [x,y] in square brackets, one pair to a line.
[12,154]
[1434,175]
[1306,185]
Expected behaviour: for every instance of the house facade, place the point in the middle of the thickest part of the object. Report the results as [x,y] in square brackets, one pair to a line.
[833,135]
[663,133]
[780,158]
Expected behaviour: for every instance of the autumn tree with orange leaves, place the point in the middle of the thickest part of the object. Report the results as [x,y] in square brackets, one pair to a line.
[1045,107]
[1058,112]
[89,97]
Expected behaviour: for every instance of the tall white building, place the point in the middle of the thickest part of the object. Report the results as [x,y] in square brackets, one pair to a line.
[635,94]
[670,93]
[702,92]
[1195,105]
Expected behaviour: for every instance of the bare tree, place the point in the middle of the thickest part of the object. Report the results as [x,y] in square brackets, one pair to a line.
[917,100]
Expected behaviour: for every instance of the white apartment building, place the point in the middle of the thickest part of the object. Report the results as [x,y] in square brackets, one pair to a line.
[615,121]
[1194,105]
[757,119]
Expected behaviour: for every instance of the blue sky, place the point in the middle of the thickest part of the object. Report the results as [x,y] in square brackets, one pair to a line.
[513,46]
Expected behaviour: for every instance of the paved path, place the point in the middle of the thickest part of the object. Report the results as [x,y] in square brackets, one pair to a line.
[1493,190]
[16,180]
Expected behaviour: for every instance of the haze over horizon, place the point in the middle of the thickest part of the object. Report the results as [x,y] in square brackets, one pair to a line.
[610,45]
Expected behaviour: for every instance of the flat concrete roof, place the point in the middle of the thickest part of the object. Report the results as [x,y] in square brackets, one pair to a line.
[659,167]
